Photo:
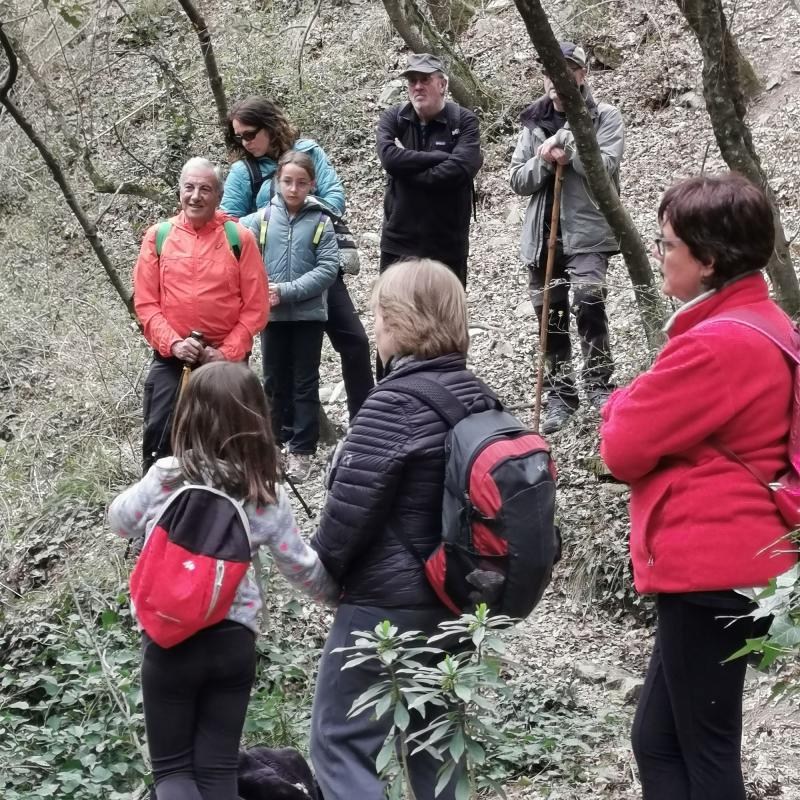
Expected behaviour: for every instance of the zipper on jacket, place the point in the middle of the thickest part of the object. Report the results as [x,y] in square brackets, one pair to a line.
[220,575]
[650,559]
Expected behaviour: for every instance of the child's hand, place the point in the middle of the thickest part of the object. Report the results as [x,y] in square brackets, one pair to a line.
[274,296]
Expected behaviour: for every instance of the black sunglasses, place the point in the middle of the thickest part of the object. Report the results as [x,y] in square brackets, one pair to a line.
[246,136]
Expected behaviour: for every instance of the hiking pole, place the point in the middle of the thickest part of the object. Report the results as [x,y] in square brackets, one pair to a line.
[548,275]
[297,494]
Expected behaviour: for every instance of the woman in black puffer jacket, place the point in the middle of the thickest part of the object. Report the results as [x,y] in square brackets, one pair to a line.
[388,478]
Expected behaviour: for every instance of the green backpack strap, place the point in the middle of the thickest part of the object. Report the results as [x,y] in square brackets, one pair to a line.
[231,233]
[162,231]
[319,229]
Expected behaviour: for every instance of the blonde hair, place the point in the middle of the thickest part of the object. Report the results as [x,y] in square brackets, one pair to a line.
[423,308]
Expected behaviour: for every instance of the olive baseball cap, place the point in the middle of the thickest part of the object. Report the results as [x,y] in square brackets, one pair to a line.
[424,63]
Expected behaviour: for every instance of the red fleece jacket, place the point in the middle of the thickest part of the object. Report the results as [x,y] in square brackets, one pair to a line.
[700,521]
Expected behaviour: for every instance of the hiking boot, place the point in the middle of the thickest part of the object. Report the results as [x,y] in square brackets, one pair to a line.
[298,467]
[556,417]
[598,398]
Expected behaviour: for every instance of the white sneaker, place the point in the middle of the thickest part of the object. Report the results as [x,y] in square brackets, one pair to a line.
[298,467]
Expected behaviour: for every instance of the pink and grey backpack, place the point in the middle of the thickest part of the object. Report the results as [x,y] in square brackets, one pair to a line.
[499,541]
[191,565]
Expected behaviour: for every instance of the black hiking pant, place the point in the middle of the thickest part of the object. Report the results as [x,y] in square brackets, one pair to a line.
[687,731]
[160,395]
[195,701]
[349,340]
[456,265]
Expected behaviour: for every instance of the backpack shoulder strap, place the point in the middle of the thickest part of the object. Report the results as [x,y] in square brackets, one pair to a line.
[256,178]
[232,233]
[453,111]
[162,231]
[434,395]
[319,230]
[789,344]
[440,398]
[262,228]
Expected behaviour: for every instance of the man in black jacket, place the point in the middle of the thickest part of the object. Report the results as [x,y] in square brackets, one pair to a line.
[431,150]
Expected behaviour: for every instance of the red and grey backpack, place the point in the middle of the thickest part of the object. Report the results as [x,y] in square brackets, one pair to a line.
[191,565]
[499,541]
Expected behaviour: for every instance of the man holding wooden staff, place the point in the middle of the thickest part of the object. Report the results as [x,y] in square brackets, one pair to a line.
[583,241]
[200,293]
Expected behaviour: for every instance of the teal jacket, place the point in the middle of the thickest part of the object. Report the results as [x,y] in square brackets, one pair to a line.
[301,270]
[238,200]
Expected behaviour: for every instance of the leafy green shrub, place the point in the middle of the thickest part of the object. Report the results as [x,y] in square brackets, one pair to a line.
[479,710]
[780,646]
[70,708]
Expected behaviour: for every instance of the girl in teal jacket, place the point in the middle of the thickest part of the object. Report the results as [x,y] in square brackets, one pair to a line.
[301,256]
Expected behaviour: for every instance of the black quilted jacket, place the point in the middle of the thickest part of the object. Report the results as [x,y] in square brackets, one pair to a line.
[390,476]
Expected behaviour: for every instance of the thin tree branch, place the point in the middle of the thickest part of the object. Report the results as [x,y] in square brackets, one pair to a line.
[90,231]
[100,182]
[310,22]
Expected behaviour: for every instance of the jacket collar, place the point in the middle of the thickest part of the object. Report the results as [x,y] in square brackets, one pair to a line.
[217,221]
[407,112]
[406,365]
[542,110]
[741,291]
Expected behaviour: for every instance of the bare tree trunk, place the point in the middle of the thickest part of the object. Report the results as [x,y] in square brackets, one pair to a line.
[648,298]
[726,108]
[418,33]
[214,79]
[451,16]
[89,229]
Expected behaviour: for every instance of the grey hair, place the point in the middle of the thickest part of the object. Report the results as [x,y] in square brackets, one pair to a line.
[202,164]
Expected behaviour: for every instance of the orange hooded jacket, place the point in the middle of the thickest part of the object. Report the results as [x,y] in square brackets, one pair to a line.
[198,284]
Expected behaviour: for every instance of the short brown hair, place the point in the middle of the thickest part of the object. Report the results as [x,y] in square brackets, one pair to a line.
[222,432]
[303,160]
[423,307]
[261,112]
[724,219]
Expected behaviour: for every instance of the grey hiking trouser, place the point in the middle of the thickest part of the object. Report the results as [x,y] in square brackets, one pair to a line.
[343,750]
[586,274]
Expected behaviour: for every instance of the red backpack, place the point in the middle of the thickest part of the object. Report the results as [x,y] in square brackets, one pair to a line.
[499,541]
[191,565]
[785,488]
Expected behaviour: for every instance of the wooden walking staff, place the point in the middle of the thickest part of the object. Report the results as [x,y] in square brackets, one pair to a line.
[548,275]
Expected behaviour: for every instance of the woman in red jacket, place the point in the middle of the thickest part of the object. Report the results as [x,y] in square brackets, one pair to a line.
[701,524]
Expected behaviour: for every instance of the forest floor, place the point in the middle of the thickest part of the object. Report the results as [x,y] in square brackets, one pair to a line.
[73,366]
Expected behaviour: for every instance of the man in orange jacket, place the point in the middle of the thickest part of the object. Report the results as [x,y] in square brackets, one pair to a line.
[193,280]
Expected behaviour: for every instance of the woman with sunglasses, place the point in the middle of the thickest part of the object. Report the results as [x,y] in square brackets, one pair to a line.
[263,134]
[691,436]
